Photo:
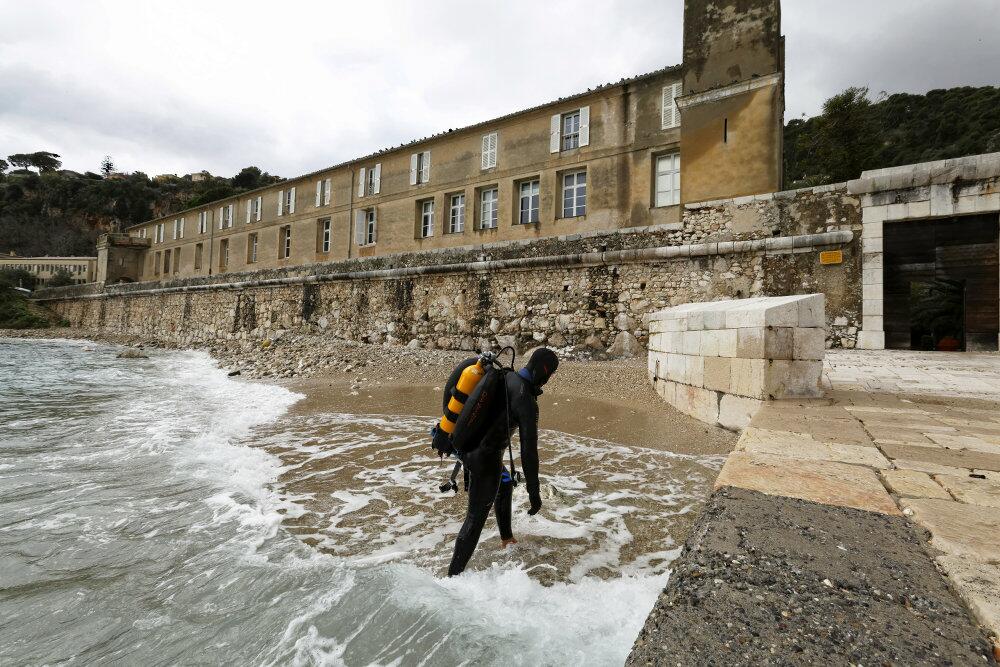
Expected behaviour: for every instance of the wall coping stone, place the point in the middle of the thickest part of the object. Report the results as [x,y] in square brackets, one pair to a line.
[768,196]
[968,168]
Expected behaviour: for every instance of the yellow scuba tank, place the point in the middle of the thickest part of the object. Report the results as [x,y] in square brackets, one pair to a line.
[467,382]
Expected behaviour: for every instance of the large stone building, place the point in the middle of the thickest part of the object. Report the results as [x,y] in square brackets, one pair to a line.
[573,222]
[627,154]
[80,269]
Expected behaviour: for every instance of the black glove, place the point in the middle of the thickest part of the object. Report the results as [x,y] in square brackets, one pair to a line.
[536,503]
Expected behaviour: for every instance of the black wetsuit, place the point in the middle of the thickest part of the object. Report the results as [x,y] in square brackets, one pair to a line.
[485,467]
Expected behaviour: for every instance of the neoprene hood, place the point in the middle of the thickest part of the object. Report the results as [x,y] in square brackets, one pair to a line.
[542,364]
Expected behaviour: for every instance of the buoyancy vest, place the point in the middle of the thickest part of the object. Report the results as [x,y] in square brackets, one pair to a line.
[471,397]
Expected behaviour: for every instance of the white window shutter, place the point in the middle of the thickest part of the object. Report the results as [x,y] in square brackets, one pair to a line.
[486,152]
[413,169]
[671,115]
[291,200]
[281,202]
[425,171]
[374,226]
[182,227]
[260,201]
[319,193]
[359,227]
[585,126]
[361,182]
[494,148]
[221,220]
[232,212]
[554,133]
[326,192]
[378,179]
[249,210]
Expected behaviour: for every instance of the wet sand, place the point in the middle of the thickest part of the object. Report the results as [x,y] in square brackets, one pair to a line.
[607,400]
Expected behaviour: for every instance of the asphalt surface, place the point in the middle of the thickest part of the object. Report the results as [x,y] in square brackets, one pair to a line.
[765,580]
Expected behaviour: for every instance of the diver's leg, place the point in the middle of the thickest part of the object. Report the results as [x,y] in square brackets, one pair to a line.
[502,508]
[484,477]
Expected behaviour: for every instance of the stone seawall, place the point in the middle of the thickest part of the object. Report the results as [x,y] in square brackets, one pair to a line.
[590,290]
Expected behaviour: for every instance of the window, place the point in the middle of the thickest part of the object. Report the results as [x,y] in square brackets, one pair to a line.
[177,260]
[178,228]
[489,150]
[253,210]
[420,168]
[570,130]
[158,233]
[323,192]
[668,180]
[166,261]
[285,242]
[370,180]
[252,249]
[574,191]
[156,263]
[488,208]
[456,214]
[203,222]
[426,218]
[223,253]
[225,216]
[670,115]
[365,228]
[286,201]
[198,250]
[528,210]
[324,234]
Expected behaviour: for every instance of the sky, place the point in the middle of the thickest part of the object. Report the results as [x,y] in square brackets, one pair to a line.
[296,86]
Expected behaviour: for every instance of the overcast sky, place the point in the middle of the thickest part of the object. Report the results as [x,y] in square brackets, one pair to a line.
[185,85]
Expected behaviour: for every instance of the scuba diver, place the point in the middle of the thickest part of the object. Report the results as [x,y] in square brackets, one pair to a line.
[512,403]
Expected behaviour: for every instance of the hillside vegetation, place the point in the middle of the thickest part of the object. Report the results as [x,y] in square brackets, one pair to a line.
[48,211]
[855,133]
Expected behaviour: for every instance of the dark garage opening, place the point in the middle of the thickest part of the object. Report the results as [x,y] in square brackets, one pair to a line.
[942,284]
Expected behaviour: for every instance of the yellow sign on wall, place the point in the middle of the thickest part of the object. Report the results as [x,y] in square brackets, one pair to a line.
[831,257]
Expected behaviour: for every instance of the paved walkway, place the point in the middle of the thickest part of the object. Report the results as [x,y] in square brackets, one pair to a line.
[912,434]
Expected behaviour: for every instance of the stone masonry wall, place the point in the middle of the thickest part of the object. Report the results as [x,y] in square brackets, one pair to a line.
[555,304]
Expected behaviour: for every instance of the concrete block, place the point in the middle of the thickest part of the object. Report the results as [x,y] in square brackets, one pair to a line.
[696,320]
[896,212]
[918,209]
[692,342]
[710,343]
[750,343]
[942,203]
[965,205]
[872,292]
[872,230]
[715,318]
[717,373]
[702,404]
[694,371]
[872,322]
[675,324]
[872,306]
[748,377]
[667,390]
[871,340]
[871,245]
[872,276]
[793,379]
[913,484]
[873,260]
[988,203]
[812,311]
[735,412]
[728,342]
[809,344]
[676,366]
[873,215]
[656,342]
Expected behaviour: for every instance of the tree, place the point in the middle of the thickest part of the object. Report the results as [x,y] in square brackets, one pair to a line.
[45,161]
[60,278]
[42,161]
[18,277]
[107,166]
[845,142]
[3,166]
[248,178]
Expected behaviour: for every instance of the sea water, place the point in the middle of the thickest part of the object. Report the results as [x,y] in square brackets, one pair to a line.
[155,511]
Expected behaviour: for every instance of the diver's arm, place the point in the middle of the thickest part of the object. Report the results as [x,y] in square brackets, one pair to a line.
[526,412]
